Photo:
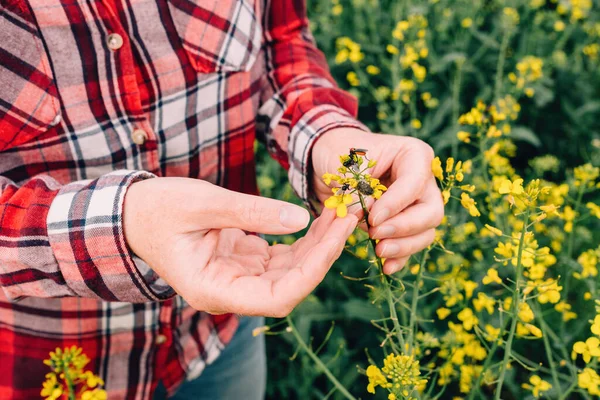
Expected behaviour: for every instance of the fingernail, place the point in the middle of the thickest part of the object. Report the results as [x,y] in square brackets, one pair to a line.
[385,231]
[381,216]
[293,217]
[390,250]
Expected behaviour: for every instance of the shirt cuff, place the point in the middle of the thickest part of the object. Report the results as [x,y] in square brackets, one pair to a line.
[85,228]
[314,123]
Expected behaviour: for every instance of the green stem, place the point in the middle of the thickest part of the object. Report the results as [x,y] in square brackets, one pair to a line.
[384,281]
[415,301]
[456,103]
[318,361]
[515,308]
[486,364]
[548,349]
[570,249]
[570,389]
[70,386]
[500,66]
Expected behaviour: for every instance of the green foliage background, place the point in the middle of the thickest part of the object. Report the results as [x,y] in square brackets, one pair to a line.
[562,118]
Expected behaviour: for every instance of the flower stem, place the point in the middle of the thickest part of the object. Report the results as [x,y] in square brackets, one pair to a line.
[415,301]
[384,280]
[318,361]
[548,349]
[500,66]
[486,364]
[515,308]
[570,248]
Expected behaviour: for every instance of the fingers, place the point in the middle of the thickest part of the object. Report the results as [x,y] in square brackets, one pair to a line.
[410,172]
[394,265]
[298,283]
[422,216]
[403,247]
[255,214]
[276,293]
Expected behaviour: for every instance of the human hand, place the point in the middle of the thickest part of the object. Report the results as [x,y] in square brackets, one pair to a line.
[192,234]
[405,216]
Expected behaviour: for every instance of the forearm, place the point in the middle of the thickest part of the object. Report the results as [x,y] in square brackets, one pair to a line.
[67,240]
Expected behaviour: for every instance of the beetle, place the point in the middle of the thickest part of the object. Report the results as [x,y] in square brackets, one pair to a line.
[355,151]
[364,188]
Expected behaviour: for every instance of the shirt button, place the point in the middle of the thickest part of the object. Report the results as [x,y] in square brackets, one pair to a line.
[139,136]
[160,339]
[114,41]
[56,120]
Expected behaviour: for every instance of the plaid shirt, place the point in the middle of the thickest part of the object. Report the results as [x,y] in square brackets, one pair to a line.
[97,94]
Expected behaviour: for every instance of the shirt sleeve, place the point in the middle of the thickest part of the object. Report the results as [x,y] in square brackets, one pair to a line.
[68,240]
[300,100]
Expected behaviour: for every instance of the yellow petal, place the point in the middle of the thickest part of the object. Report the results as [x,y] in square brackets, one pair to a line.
[332,202]
[505,187]
[342,210]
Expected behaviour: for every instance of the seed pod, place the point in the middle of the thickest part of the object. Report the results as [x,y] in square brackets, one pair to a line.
[364,188]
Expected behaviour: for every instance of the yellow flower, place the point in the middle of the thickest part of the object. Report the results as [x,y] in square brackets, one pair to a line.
[327,178]
[436,168]
[594,209]
[392,49]
[352,78]
[538,385]
[340,203]
[588,349]
[464,136]
[446,196]
[588,261]
[51,389]
[492,333]
[466,23]
[96,394]
[525,313]
[550,209]
[590,380]
[468,318]
[373,70]
[484,301]
[534,330]
[376,378]
[494,230]
[415,123]
[442,312]
[491,276]
[508,187]
[449,164]
[467,202]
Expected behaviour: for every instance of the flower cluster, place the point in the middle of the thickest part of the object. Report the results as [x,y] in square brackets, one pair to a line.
[400,375]
[68,377]
[352,179]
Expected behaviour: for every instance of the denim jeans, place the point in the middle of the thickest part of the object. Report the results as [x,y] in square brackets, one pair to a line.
[240,371]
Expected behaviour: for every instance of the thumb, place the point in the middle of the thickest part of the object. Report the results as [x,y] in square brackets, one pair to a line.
[257,214]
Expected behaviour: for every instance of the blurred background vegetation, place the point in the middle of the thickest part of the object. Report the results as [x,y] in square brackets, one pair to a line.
[472,47]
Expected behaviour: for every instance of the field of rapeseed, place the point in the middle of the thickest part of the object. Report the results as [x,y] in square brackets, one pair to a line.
[506,303]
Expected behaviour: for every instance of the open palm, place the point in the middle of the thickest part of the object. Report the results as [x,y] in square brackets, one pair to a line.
[228,270]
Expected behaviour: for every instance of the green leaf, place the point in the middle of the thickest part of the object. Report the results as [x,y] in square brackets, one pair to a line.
[361,310]
[525,134]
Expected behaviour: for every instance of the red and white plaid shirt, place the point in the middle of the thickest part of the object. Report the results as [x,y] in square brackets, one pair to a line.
[96,94]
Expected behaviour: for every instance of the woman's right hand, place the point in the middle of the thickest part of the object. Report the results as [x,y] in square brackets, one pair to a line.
[193,235]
